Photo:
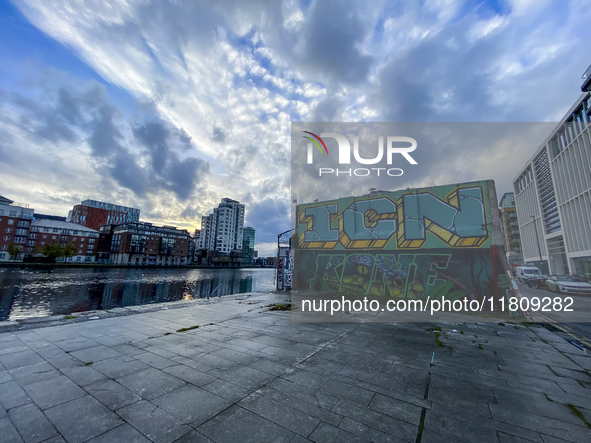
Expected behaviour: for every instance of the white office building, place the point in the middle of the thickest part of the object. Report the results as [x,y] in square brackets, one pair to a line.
[553,196]
[222,231]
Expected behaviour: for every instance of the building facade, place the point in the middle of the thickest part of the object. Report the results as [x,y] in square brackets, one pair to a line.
[141,243]
[222,233]
[553,196]
[15,223]
[46,231]
[248,246]
[510,229]
[94,214]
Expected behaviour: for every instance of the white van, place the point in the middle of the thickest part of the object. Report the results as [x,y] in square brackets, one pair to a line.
[524,273]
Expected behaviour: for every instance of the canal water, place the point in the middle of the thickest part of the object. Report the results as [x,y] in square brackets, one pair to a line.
[26,294]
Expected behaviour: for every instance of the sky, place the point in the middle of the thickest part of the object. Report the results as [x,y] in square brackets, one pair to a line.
[169,106]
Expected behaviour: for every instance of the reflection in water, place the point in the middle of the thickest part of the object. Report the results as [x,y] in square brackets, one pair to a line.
[25,294]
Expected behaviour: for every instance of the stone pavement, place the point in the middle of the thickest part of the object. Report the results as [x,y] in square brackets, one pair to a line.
[248,374]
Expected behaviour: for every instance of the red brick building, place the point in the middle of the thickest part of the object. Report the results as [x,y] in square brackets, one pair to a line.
[141,243]
[44,232]
[94,214]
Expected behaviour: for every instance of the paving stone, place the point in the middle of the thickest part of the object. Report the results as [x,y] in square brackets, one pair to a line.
[326,433]
[309,408]
[348,392]
[541,424]
[83,375]
[239,425]
[318,398]
[34,373]
[195,437]
[366,432]
[8,432]
[268,366]
[376,420]
[190,375]
[150,383]
[153,422]
[32,424]
[75,344]
[53,392]
[396,408]
[123,433]
[227,390]
[112,394]
[82,419]
[5,376]
[279,413]
[95,354]
[191,404]
[119,366]
[12,395]
[19,359]
[154,360]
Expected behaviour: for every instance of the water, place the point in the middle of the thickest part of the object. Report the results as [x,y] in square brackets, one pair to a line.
[26,294]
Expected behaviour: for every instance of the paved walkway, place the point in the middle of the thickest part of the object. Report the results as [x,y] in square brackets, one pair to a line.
[248,374]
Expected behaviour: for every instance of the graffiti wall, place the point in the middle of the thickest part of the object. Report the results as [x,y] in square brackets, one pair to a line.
[437,242]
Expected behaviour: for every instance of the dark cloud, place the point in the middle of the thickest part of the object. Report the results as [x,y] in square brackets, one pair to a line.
[161,141]
[333,35]
[269,217]
[327,110]
[219,135]
[79,111]
[105,135]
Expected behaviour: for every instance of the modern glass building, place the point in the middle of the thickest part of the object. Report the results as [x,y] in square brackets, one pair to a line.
[553,196]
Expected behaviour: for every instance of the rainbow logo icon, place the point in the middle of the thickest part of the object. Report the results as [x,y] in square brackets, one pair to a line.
[315,142]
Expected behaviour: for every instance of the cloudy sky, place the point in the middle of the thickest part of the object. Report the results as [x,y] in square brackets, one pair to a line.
[171,105]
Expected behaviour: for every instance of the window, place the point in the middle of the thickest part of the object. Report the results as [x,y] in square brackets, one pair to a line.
[4,247]
[44,236]
[55,230]
[6,238]
[11,221]
[54,237]
[8,230]
[74,238]
[12,213]
[45,229]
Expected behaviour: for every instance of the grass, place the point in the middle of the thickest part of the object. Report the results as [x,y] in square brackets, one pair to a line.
[69,317]
[578,414]
[480,346]
[88,363]
[187,329]
[501,324]
[284,307]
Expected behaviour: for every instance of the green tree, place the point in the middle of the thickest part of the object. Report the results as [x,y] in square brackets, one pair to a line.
[13,250]
[69,250]
[52,250]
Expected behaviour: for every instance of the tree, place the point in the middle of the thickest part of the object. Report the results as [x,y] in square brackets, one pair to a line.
[52,250]
[69,250]
[14,250]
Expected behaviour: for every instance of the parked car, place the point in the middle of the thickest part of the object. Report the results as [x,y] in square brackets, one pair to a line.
[538,281]
[565,284]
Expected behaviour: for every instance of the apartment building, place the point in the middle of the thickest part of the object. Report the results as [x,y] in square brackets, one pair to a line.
[94,214]
[15,222]
[46,231]
[510,228]
[142,243]
[553,196]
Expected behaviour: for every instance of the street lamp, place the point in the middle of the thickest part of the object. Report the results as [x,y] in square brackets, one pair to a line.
[537,238]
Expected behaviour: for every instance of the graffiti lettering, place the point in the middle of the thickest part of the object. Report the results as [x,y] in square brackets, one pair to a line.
[396,221]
